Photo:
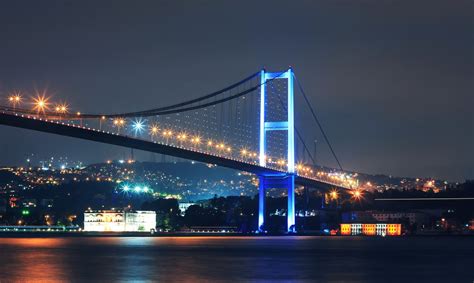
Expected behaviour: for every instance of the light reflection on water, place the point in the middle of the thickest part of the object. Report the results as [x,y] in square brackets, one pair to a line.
[196,259]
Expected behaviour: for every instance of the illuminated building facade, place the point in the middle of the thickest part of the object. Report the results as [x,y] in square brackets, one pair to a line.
[119,221]
[371,229]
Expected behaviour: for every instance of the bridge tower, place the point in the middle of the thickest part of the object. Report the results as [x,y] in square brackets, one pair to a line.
[281,180]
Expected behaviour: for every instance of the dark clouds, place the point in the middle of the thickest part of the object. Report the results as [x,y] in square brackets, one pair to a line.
[392,80]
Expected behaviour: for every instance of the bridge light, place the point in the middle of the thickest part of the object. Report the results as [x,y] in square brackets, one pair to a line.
[119,122]
[154,130]
[334,194]
[15,99]
[61,108]
[40,103]
[357,194]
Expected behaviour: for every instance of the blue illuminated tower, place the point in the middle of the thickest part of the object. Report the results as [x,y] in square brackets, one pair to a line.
[281,180]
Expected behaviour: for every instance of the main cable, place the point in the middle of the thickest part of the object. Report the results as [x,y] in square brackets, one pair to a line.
[317,122]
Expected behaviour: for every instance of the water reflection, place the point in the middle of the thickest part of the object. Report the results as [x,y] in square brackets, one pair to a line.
[33,259]
[196,259]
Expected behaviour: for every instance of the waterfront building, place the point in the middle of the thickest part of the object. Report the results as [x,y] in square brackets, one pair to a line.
[119,221]
[371,229]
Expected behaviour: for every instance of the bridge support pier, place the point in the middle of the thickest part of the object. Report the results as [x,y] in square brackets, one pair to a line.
[284,181]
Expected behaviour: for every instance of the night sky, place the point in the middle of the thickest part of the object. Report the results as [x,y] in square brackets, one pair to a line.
[392,80]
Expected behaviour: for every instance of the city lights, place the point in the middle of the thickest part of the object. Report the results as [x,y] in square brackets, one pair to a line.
[136,189]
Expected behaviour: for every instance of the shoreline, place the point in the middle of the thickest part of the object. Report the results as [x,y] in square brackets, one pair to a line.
[184,235]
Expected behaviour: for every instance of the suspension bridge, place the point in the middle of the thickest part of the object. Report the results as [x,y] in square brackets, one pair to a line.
[247,126]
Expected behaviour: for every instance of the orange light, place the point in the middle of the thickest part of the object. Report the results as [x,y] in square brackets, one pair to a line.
[369,229]
[394,229]
[61,108]
[41,103]
[154,130]
[15,99]
[357,194]
[345,229]
[196,140]
[119,122]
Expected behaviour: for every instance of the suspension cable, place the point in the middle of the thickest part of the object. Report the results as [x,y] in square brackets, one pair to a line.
[158,111]
[192,101]
[317,122]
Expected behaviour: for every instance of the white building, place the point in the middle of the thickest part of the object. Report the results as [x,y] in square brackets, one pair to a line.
[119,221]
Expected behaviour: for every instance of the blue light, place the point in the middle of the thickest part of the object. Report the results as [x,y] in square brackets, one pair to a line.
[137,189]
[145,189]
[262,137]
[126,188]
[287,126]
[138,126]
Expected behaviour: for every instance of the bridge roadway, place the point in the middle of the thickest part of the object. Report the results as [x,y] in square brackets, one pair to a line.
[63,129]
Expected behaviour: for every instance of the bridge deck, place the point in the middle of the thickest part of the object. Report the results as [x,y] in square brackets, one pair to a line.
[63,129]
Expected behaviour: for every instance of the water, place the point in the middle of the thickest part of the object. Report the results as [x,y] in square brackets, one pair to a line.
[197,259]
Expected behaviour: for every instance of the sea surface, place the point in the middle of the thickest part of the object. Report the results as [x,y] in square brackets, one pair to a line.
[243,259]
